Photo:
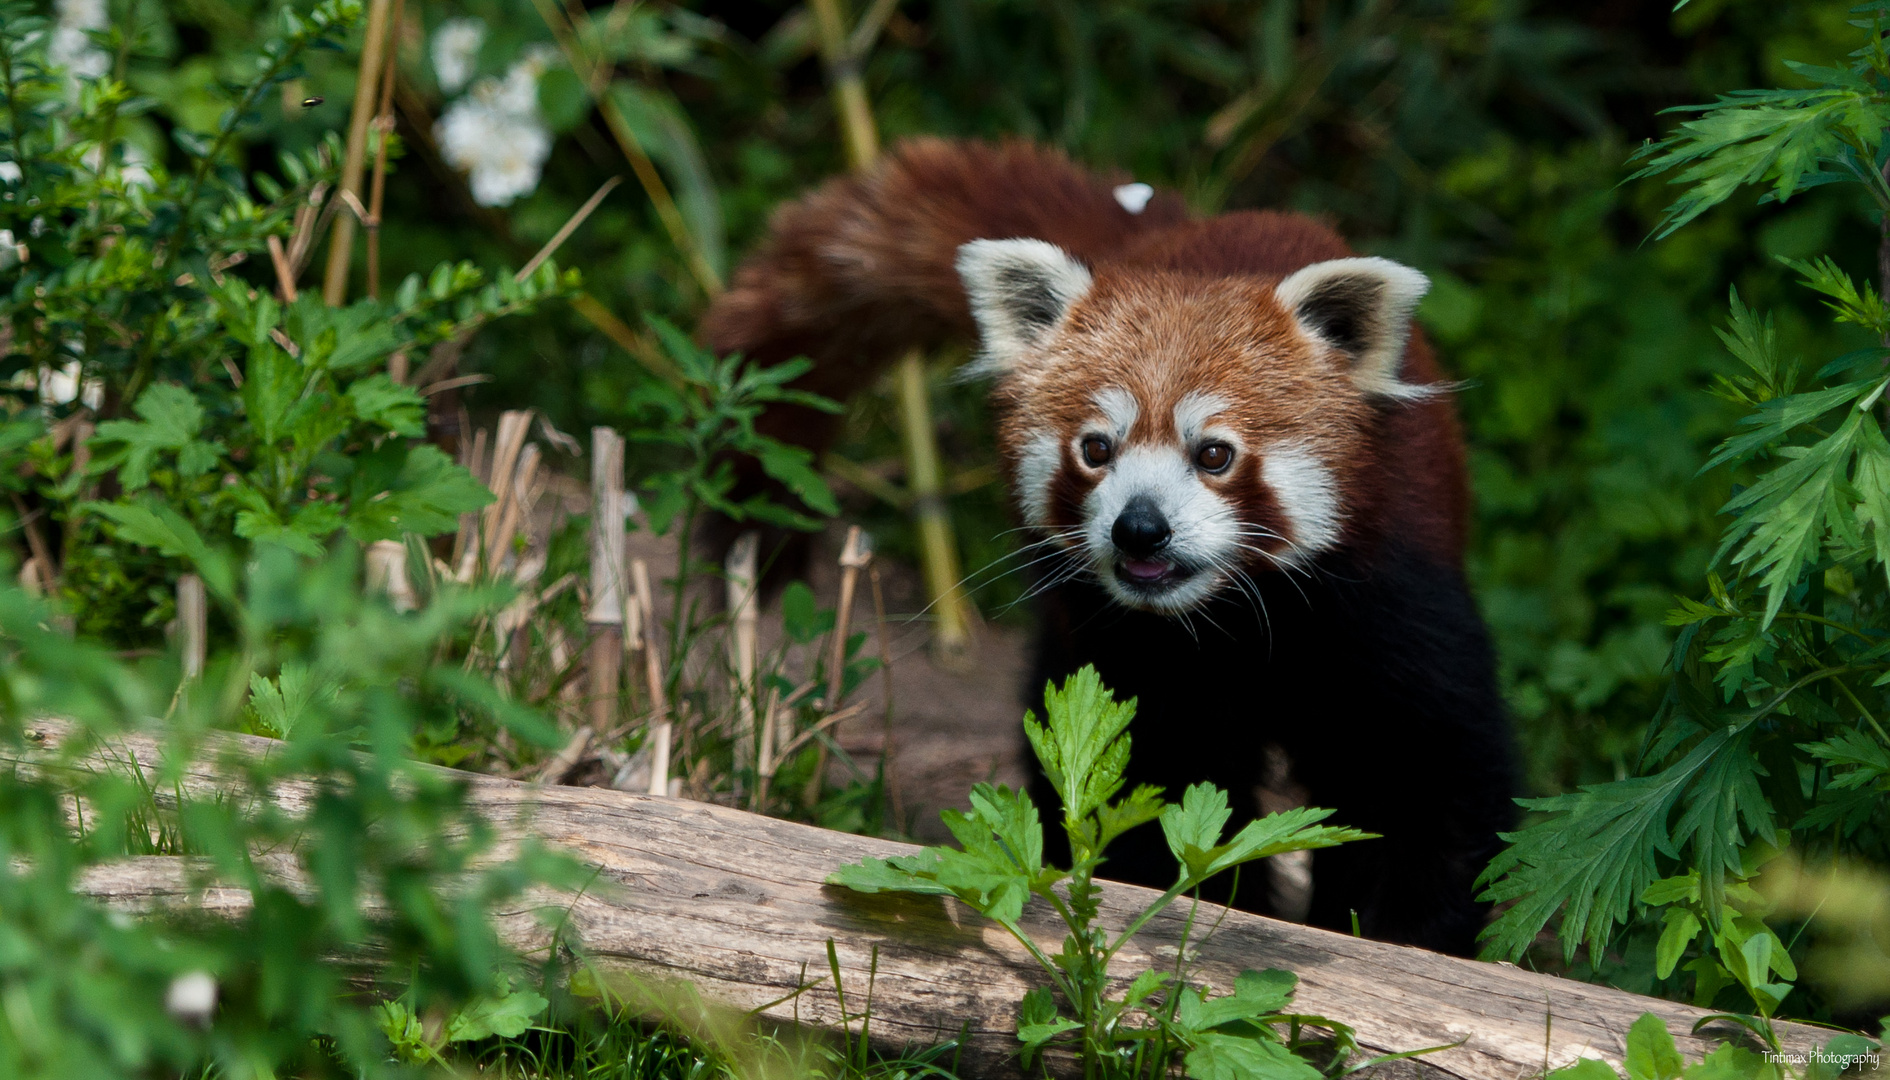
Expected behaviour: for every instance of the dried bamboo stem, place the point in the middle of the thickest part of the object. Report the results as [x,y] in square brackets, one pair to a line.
[514,425]
[341,240]
[744,618]
[853,557]
[659,697]
[607,550]
[383,127]
[193,630]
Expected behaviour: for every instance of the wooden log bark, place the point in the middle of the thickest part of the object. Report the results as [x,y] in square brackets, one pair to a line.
[735,903]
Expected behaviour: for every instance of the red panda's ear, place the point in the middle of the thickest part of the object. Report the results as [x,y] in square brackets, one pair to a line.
[1362,308]
[1019,291]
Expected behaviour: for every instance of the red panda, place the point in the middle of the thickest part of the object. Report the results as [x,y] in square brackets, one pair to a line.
[1241,465]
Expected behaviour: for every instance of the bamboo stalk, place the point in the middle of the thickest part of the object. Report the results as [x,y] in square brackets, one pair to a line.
[607,542]
[744,618]
[387,573]
[653,661]
[854,556]
[938,546]
[193,629]
[341,240]
[524,495]
[888,750]
[514,425]
[383,127]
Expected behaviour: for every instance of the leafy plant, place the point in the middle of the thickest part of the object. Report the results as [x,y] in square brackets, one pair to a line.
[1769,735]
[176,398]
[1653,1055]
[1160,1018]
[360,862]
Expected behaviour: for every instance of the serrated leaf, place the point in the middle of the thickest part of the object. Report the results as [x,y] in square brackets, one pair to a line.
[1083,744]
[1595,856]
[1256,994]
[155,525]
[1682,926]
[1730,1062]
[397,488]
[170,420]
[1672,890]
[381,401]
[1221,1056]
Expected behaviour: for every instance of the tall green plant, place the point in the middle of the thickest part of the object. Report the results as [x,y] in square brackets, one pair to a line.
[1772,732]
[1160,1019]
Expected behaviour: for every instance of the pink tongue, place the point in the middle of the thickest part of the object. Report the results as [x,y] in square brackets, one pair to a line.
[1144,571]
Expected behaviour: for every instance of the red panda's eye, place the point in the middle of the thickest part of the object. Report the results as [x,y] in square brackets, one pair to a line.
[1214,457]
[1097,451]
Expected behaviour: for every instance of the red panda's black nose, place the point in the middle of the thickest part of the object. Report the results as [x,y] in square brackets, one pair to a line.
[1140,530]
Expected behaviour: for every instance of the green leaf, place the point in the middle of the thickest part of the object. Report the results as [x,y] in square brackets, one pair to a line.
[904,873]
[1673,890]
[1084,745]
[1192,827]
[663,128]
[793,466]
[1595,855]
[1651,1054]
[172,418]
[1730,1062]
[1682,926]
[1256,994]
[1038,1023]
[506,1016]
[381,401]
[802,618]
[397,488]
[1221,1056]
[1584,1069]
[155,525]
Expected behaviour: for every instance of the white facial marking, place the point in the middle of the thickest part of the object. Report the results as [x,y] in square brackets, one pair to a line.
[1119,409]
[1308,495]
[1037,466]
[1205,529]
[1193,412]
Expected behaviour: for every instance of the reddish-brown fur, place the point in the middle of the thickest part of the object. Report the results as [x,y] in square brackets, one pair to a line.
[861,270]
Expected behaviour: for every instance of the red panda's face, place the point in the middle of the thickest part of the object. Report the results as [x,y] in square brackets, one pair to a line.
[1176,436]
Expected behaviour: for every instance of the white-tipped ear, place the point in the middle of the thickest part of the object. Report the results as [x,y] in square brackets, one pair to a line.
[1019,291]
[1361,307]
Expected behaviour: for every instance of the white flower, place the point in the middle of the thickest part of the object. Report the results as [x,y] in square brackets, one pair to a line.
[192,998]
[71,49]
[9,172]
[12,252]
[456,52]
[496,134]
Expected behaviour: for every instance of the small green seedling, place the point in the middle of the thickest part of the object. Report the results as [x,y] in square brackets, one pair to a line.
[1160,1017]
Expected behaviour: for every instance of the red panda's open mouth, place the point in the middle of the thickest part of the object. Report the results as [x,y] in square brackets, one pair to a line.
[1148,571]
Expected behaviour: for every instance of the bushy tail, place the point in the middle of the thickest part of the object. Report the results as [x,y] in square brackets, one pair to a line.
[861,270]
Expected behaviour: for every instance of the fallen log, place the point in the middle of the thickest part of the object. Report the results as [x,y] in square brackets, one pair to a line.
[735,903]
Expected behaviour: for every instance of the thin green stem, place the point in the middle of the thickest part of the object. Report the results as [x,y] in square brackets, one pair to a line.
[1864,711]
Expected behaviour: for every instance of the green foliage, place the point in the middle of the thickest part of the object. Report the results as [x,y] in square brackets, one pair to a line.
[226,412]
[337,817]
[1769,734]
[1653,1055]
[708,414]
[1083,745]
